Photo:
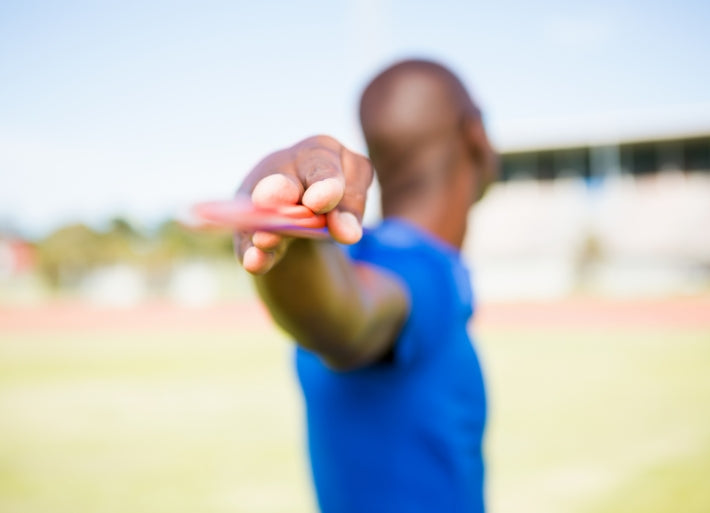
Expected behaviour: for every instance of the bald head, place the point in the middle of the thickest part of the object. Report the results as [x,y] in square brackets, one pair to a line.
[428,146]
[409,104]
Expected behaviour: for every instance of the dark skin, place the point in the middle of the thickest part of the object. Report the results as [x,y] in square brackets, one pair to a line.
[434,161]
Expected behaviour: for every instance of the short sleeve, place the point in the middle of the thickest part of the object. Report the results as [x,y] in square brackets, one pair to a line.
[429,277]
[427,284]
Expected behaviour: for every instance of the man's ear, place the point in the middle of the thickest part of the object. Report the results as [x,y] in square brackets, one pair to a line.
[483,155]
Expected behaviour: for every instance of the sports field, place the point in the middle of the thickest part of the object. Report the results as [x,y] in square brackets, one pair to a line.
[596,406]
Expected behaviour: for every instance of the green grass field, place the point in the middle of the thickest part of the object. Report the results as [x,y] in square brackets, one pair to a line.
[582,420]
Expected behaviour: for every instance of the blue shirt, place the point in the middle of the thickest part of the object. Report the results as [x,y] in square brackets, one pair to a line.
[404,434]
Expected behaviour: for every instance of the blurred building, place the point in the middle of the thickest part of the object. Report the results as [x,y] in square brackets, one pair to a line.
[613,206]
[19,282]
[16,257]
[118,285]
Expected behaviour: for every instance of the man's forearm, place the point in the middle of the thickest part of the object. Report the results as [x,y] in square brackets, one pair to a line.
[347,313]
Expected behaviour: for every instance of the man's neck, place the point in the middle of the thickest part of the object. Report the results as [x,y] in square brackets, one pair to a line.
[433,215]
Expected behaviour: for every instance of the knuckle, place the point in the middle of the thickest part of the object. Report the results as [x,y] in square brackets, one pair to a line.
[360,169]
[317,153]
[367,171]
[325,141]
[318,163]
[357,198]
[318,171]
[317,141]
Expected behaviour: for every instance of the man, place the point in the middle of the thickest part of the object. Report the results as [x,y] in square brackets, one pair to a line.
[393,389]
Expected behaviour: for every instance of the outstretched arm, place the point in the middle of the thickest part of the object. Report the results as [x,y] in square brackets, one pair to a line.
[348,313]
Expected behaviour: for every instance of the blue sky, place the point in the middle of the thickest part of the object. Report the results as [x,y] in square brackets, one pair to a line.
[140,108]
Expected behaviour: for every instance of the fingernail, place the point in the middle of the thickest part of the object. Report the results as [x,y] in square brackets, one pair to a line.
[256,261]
[350,226]
[324,195]
[275,189]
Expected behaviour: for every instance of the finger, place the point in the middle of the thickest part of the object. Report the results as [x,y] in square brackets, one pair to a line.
[266,241]
[320,171]
[260,261]
[344,227]
[277,189]
[345,222]
[256,261]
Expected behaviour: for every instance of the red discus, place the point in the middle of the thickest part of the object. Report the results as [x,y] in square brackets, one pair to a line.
[240,214]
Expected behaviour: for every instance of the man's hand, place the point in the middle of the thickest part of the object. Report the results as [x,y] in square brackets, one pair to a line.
[319,173]
[349,313]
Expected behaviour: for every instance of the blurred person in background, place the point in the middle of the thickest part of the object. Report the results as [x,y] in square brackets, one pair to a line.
[394,393]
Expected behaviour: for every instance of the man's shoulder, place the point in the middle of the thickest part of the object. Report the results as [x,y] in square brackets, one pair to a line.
[397,235]
[404,248]
[429,268]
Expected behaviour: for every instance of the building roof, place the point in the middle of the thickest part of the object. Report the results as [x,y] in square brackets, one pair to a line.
[602,129]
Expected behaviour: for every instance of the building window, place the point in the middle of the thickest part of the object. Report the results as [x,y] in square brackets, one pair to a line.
[644,159]
[572,163]
[518,166]
[696,155]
